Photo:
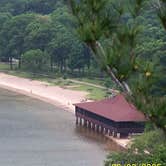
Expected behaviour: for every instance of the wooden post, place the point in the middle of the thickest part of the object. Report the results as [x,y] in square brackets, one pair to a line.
[109,132]
[88,124]
[76,120]
[118,135]
[106,131]
[113,133]
[97,128]
[102,129]
[80,121]
[93,126]
[85,122]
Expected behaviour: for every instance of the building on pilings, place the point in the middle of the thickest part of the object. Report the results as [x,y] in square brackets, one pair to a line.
[114,116]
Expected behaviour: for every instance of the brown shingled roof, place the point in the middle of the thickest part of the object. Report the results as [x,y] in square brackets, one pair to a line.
[116,109]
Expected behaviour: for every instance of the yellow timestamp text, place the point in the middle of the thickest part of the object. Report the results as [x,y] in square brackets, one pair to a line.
[140,164]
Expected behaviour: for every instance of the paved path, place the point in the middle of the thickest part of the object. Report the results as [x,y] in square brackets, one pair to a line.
[94,85]
[87,83]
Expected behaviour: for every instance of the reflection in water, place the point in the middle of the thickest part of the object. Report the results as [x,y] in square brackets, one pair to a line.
[34,133]
[107,144]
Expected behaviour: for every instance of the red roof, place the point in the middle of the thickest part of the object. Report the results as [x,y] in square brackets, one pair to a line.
[116,109]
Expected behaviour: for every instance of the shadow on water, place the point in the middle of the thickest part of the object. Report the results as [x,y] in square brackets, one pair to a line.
[102,140]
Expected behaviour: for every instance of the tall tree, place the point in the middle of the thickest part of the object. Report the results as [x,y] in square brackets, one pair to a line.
[112,31]
[12,35]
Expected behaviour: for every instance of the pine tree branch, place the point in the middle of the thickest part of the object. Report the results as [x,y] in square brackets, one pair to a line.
[97,48]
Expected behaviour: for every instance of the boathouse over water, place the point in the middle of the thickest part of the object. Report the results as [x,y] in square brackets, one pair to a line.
[114,116]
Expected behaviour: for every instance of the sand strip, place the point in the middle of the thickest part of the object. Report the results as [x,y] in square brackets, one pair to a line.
[63,98]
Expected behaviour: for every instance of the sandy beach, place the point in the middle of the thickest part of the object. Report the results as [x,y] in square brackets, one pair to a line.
[63,98]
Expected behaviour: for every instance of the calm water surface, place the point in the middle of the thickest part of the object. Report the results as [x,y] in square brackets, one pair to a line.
[34,133]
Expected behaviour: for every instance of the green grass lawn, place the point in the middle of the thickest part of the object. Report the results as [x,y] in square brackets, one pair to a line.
[96,81]
[4,66]
[94,93]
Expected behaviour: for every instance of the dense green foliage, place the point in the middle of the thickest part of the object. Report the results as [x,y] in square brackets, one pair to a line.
[149,148]
[46,25]
[125,45]
[34,60]
[24,6]
[117,39]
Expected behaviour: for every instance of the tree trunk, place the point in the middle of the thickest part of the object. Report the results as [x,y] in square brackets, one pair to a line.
[51,63]
[65,65]
[61,66]
[19,63]
[83,70]
[11,63]
[79,70]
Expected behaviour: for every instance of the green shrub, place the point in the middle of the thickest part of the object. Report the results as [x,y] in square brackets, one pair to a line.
[64,76]
[149,148]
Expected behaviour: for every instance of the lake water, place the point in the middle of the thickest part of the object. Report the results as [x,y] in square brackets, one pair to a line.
[34,133]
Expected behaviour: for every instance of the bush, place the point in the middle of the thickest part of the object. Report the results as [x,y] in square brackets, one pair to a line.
[150,148]
[64,76]
[34,60]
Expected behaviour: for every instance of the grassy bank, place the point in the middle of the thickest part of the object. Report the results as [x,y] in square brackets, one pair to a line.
[92,86]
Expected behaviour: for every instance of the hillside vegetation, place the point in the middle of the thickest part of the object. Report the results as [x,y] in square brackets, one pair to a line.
[40,35]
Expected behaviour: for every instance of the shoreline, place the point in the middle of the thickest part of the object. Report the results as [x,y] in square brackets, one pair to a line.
[55,95]
[32,95]
[50,94]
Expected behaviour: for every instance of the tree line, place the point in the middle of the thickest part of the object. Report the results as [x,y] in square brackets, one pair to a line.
[39,35]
